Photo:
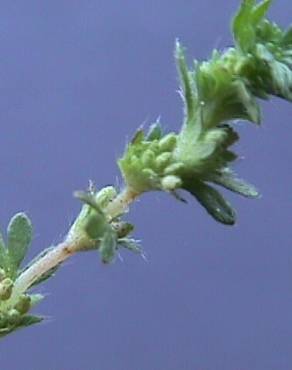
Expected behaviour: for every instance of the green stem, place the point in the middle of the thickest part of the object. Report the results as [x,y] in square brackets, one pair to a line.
[67,248]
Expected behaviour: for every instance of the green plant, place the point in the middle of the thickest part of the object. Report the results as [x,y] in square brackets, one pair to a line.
[215,94]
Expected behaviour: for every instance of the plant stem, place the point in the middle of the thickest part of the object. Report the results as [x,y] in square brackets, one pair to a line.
[121,203]
[67,248]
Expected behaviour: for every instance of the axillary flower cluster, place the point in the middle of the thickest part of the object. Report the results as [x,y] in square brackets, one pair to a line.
[197,159]
[216,93]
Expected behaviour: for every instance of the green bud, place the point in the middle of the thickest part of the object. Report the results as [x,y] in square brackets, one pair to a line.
[148,158]
[149,173]
[154,146]
[94,225]
[13,316]
[6,287]
[122,228]
[135,162]
[90,223]
[105,196]
[167,143]
[170,183]
[174,168]
[162,160]
[23,305]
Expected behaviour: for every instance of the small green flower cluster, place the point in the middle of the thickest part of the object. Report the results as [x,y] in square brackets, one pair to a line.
[216,93]
[95,230]
[149,162]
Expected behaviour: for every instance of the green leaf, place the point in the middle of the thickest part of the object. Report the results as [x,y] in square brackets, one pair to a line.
[229,181]
[138,137]
[93,219]
[22,322]
[155,132]
[259,11]
[287,39]
[186,79]
[243,29]
[246,21]
[88,199]
[108,246]
[224,95]
[212,201]
[19,238]
[250,108]
[29,320]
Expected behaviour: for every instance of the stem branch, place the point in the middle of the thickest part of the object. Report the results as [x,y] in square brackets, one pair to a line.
[67,248]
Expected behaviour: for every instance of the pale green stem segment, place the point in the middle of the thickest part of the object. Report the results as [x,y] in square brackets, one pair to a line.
[64,250]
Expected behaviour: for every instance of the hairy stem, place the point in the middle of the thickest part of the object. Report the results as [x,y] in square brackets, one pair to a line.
[120,204]
[67,248]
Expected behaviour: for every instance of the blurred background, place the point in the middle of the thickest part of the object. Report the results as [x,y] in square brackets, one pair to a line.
[76,80]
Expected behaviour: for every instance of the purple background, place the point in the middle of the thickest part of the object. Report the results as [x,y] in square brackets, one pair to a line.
[76,79]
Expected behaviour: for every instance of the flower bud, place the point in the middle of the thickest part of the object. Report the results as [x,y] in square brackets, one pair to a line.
[167,143]
[13,316]
[149,173]
[6,289]
[135,162]
[162,160]
[170,183]
[148,158]
[23,304]
[105,196]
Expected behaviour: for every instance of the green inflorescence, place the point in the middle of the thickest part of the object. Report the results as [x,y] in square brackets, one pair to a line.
[216,93]
[104,234]
[149,162]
